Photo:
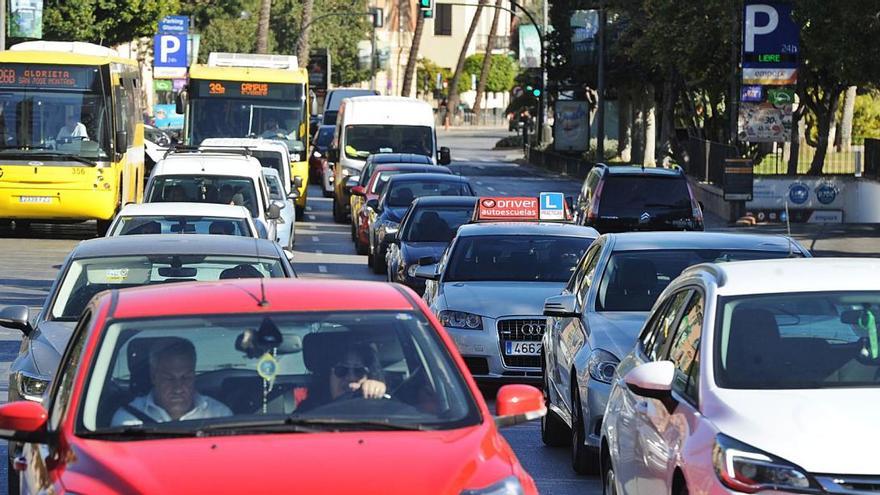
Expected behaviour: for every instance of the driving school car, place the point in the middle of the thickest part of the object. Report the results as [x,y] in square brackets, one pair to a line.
[257,363]
[488,288]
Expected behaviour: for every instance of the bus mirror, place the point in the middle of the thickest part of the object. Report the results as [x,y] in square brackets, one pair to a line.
[180,103]
[121,141]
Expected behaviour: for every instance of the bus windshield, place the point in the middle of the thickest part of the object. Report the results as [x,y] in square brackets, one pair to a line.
[53,110]
[224,109]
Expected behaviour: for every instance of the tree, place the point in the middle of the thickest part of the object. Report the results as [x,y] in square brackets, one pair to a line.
[503,71]
[426,77]
[459,67]
[844,137]
[487,61]
[413,57]
[263,26]
[302,47]
[105,22]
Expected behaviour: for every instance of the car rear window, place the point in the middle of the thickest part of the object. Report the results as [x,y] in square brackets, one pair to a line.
[639,192]
[403,193]
[436,224]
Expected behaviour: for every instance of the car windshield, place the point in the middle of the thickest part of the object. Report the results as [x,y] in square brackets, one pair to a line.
[270,159]
[206,189]
[364,140]
[436,224]
[382,181]
[274,373]
[798,341]
[86,277]
[275,189]
[633,279]
[180,224]
[515,258]
[637,193]
[403,193]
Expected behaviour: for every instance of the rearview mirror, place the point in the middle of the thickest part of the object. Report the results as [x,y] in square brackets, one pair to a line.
[358,191]
[297,182]
[352,181]
[180,103]
[849,317]
[654,381]
[177,272]
[561,306]
[121,145]
[445,157]
[427,272]
[16,318]
[273,212]
[23,420]
[518,403]
[293,195]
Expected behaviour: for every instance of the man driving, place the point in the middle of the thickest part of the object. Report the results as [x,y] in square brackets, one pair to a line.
[72,128]
[173,396]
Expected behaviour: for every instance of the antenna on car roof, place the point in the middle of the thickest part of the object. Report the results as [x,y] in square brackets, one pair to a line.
[263,301]
[788,229]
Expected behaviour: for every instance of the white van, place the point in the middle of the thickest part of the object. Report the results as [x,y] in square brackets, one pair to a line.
[378,124]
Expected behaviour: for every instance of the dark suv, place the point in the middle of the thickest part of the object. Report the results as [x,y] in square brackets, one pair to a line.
[627,198]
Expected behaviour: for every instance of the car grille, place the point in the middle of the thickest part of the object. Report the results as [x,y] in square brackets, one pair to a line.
[849,484]
[529,330]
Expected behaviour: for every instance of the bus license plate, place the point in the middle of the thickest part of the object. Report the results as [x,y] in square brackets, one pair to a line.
[522,348]
[35,199]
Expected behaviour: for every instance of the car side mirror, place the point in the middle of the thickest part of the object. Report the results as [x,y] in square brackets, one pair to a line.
[23,421]
[444,156]
[180,103]
[358,191]
[561,306]
[653,380]
[426,260]
[352,181]
[273,212]
[297,182]
[427,272]
[517,403]
[16,318]
[121,145]
[333,154]
[373,204]
[293,194]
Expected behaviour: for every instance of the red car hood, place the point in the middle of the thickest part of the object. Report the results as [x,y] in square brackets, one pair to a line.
[352,462]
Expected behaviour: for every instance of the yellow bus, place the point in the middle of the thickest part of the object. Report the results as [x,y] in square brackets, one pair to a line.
[72,133]
[247,95]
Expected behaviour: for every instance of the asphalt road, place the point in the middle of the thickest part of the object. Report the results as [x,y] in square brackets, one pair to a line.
[30,259]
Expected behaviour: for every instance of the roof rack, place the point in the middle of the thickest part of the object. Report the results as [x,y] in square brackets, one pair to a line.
[186,148]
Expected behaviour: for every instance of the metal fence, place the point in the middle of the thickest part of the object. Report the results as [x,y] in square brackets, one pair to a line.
[491,117]
[837,162]
[574,166]
[705,160]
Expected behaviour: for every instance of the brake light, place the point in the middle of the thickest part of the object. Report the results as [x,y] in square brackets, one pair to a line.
[696,211]
[594,204]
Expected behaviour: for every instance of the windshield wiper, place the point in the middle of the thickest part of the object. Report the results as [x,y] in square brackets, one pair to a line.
[355,423]
[68,156]
[140,431]
[25,147]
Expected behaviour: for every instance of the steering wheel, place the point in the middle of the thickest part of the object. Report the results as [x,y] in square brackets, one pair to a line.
[71,139]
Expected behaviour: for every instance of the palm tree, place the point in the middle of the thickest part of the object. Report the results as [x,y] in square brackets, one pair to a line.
[302,45]
[487,62]
[459,68]
[263,26]
[413,55]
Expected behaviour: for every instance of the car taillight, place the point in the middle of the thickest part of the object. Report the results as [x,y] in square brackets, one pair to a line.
[696,211]
[594,204]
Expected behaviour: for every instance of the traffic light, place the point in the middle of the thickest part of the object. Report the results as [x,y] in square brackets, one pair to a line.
[378,17]
[533,90]
[426,5]
[428,14]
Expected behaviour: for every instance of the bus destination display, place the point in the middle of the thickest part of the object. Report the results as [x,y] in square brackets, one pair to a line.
[54,77]
[237,89]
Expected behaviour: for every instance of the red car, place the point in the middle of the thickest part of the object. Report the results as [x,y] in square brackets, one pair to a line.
[236,387]
[360,216]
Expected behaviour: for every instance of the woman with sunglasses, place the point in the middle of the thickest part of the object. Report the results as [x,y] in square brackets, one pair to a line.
[357,374]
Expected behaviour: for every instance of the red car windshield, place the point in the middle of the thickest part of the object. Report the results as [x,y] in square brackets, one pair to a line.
[337,371]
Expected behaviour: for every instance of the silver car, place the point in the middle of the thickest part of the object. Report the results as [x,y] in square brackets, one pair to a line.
[285,225]
[489,287]
[594,322]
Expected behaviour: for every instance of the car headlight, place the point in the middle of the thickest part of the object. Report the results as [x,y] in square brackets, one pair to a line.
[507,486]
[349,171]
[744,468]
[602,365]
[460,319]
[31,388]
[317,154]
[390,227]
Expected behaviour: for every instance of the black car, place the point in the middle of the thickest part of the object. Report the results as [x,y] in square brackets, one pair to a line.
[427,228]
[625,198]
[320,143]
[387,211]
[342,197]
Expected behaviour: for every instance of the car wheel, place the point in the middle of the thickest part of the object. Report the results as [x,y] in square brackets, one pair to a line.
[353,231]
[327,194]
[338,212]
[609,485]
[378,265]
[554,431]
[300,212]
[361,248]
[584,459]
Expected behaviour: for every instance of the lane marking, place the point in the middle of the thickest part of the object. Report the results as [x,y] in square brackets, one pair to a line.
[319,252]
[312,217]
[315,238]
[322,268]
[491,188]
[308,208]
[479,183]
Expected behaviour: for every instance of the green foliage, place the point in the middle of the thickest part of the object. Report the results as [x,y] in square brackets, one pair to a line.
[502,72]
[866,118]
[229,34]
[426,77]
[340,34]
[107,22]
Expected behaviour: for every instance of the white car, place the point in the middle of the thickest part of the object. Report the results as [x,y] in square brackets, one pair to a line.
[285,226]
[183,218]
[197,176]
[755,376]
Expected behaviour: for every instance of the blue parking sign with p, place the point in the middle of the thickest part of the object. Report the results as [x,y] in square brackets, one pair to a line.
[169,50]
[552,206]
